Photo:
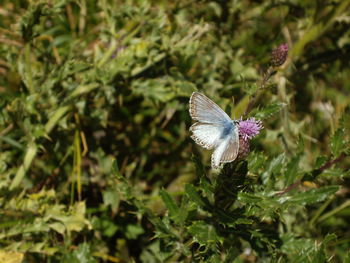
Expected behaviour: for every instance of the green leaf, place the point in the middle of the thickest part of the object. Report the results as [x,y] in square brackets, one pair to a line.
[11,142]
[347,257]
[338,142]
[321,160]
[335,172]
[206,186]
[256,162]
[329,238]
[11,257]
[162,89]
[306,250]
[111,198]
[104,225]
[334,211]
[170,204]
[83,89]
[204,233]
[133,231]
[184,209]
[274,168]
[56,116]
[249,198]
[244,221]
[73,221]
[313,196]
[232,253]
[292,171]
[316,29]
[297,249]
[28,159]
[268,111]
[58,227]
[194,196]
[80,255]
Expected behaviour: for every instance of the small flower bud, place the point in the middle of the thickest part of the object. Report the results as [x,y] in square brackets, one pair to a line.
[279,55]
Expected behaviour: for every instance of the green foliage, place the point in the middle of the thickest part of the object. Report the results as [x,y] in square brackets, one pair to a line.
[97,164]
[268,111]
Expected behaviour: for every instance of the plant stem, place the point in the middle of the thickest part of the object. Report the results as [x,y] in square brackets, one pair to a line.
[265,77]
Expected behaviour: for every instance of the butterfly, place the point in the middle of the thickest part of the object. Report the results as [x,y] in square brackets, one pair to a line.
[214,129]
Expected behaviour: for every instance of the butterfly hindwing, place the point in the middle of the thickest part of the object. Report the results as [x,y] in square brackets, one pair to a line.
[227,149]
[231,151]
[205,134]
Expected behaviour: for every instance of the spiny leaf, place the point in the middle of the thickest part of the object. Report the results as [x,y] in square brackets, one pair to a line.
[268,111]
[194,196]
[321,160]
[249,198]
[338,142]
[313,196]
[203,233]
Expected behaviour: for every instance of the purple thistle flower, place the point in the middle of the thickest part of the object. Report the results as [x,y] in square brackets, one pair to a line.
[249,128]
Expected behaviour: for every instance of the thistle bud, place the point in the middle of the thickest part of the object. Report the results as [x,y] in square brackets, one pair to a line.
[279,55]
[243,148]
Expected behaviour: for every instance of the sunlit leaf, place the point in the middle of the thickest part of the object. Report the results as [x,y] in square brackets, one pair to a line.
[11,257]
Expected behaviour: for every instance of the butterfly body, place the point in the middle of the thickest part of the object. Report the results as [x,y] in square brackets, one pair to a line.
[228,128]
[214,129]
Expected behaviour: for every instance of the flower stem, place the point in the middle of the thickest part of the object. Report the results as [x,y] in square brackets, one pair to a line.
[265,77]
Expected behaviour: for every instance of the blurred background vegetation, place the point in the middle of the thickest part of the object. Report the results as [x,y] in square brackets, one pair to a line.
[96,161]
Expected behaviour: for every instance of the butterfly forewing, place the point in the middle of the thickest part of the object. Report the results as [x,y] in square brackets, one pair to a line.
[205,110]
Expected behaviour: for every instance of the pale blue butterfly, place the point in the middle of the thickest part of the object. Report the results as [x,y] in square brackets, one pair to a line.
[214,129]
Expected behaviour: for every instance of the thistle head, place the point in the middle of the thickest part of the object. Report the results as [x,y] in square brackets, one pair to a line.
[249,128]
[279,55]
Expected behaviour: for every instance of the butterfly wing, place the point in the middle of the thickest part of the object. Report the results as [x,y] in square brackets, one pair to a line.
[214,129]
[206,135]
[227,149]
[204,110]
